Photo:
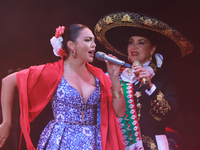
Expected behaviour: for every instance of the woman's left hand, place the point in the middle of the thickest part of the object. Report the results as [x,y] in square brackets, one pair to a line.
[112,69]
[118,102]
[141,73]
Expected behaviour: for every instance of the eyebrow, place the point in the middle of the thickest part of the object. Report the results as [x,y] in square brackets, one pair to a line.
[138,39]
[89,37]
[142,40]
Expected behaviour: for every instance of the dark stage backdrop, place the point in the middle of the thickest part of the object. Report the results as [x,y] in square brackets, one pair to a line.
[26,27]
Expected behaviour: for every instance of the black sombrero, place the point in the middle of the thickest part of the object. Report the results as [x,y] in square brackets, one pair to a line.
[112,27]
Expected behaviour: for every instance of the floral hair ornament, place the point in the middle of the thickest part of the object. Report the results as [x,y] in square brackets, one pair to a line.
[56,42]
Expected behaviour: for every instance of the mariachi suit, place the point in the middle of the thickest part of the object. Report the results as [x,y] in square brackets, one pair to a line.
[154,111]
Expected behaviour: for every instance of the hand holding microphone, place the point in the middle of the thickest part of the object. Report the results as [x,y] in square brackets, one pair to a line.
[142,73]
[113,68]
[113,64]
[139,72]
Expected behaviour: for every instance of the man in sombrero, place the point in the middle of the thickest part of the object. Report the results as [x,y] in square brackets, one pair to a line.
[152,47]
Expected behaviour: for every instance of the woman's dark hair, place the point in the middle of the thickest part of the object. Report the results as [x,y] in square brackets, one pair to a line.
[71,34]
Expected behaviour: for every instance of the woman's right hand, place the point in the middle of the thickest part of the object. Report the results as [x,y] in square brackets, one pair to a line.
[141,73]
[4,132]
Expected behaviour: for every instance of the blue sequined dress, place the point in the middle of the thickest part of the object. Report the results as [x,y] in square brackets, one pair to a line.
[68,131]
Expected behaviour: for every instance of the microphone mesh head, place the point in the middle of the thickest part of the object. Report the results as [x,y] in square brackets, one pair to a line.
[136,63]
[100,55]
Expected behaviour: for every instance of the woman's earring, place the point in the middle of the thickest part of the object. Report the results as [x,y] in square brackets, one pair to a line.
[74,54]
[129,59]
[150,59]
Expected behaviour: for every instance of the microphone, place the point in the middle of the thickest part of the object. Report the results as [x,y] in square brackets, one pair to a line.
[144,80]
[102,56]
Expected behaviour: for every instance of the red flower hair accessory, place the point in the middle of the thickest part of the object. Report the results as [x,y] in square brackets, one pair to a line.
[59,31]
[56,42]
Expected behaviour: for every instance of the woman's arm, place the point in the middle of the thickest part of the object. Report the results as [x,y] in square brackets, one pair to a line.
[118,98]
[7,96]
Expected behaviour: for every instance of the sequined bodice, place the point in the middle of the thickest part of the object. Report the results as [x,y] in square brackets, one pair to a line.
[68,106]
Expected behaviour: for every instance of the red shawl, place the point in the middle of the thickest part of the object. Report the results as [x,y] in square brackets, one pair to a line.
[37,85]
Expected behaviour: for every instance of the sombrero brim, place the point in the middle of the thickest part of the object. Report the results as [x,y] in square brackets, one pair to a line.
[118,37]
[135,21]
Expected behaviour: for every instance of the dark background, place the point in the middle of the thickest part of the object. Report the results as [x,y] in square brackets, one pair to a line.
[26,27]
